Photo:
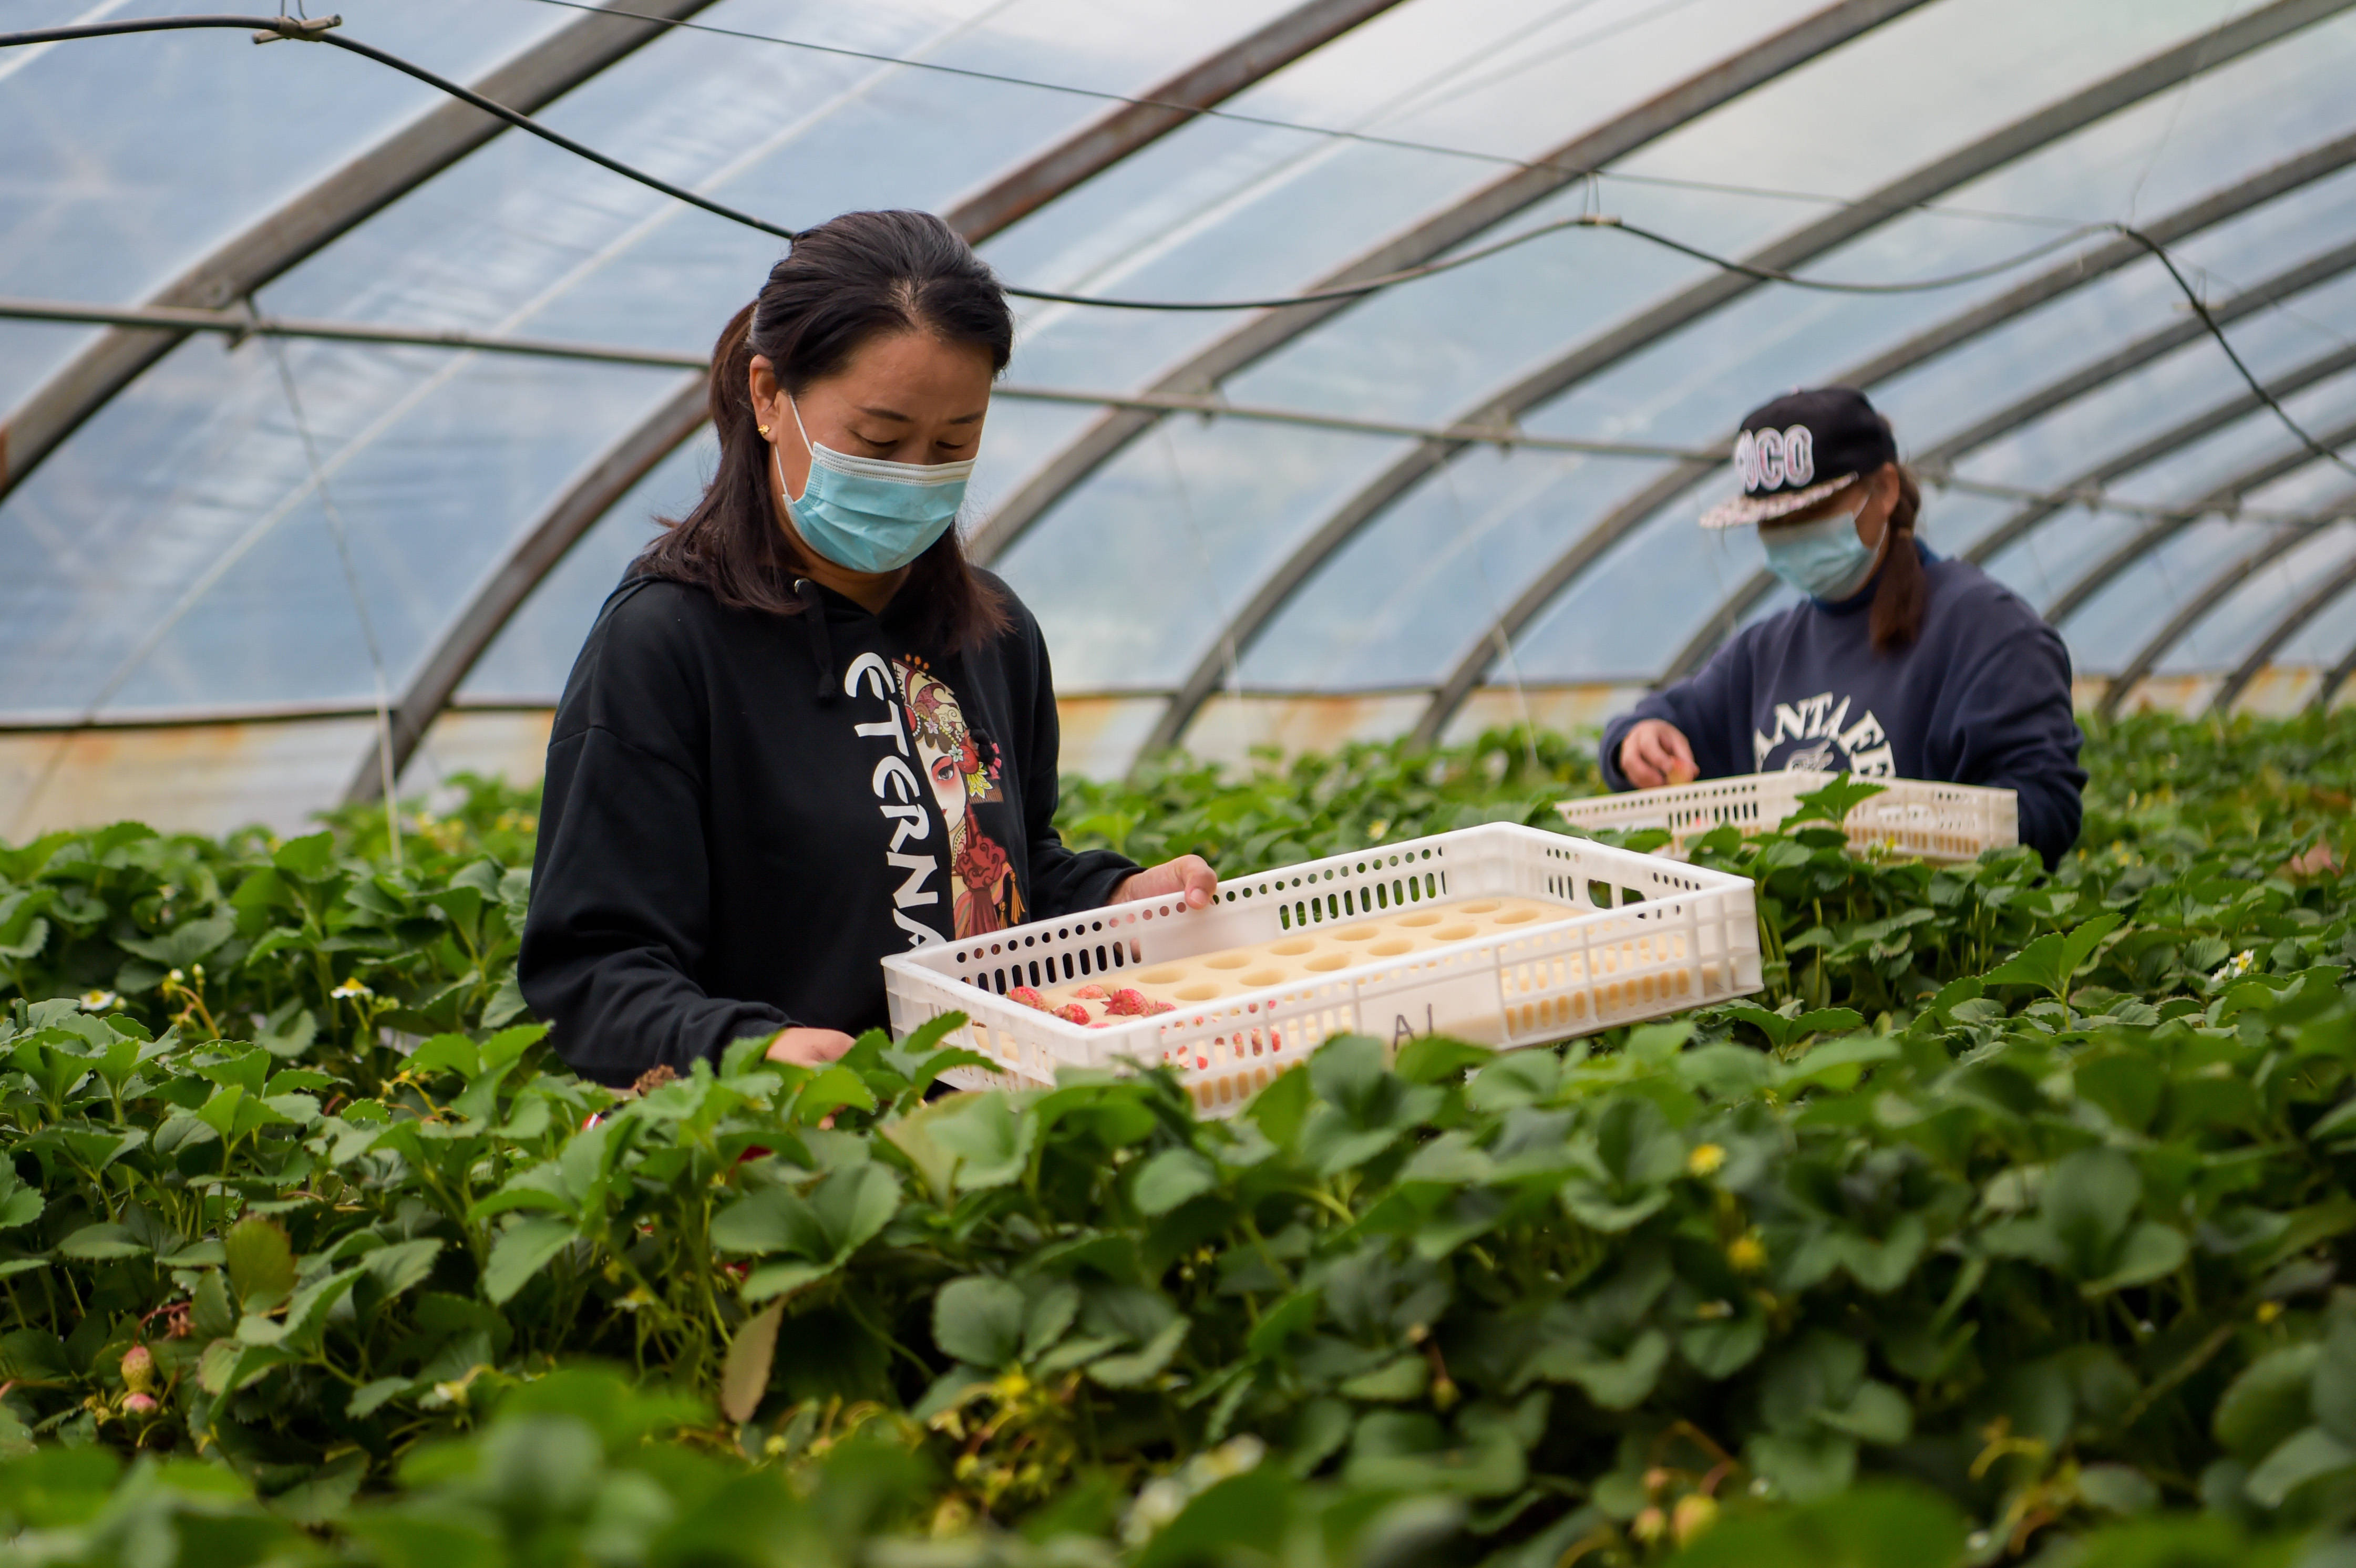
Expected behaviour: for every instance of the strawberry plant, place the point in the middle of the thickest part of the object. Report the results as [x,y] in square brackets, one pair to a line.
[2008,1220]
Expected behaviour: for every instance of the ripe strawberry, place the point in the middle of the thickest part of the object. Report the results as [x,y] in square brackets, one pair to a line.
[1072,1012]
[1028,997]
[1128,1003]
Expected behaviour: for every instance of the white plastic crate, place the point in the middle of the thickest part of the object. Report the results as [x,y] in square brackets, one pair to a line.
[1639,936]
[1929,821]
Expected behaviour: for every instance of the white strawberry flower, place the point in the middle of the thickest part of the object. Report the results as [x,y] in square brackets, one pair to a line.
[2236,966]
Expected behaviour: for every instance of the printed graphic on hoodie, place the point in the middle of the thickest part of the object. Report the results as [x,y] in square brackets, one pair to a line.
[963,770]
[1814,734]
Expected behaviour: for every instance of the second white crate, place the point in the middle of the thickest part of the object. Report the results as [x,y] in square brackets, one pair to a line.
[1942,822]
[1639,936]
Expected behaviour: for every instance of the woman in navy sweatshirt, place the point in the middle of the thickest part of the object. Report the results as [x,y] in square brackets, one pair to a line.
[1899,663]
[805,731]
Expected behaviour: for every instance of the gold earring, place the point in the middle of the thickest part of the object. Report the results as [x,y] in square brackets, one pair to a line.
[765,433]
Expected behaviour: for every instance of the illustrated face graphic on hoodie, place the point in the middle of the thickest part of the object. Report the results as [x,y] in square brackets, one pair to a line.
[962,778]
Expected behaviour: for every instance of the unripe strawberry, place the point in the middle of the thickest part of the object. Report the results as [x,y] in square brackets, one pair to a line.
[1128,1003]
[138,1368]
[1695,1513]
[1154,1006]
[139,1404]
[1027,997]
[1090,993]
[1072,1012]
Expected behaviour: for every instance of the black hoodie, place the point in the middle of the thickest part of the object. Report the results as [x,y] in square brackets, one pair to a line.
[746,812]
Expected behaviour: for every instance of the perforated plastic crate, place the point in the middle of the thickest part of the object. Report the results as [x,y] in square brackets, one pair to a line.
[1637,936]
[1910,816]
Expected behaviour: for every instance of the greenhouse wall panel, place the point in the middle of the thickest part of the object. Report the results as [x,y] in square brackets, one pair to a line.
[1229,729]
[190,778]
[2182,695]
[2279,690]
[1569,708]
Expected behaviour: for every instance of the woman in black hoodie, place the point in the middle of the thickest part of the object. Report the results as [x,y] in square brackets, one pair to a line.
[806,732]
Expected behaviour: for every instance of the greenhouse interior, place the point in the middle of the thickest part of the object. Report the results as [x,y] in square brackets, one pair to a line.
[1464,500]
[1566,1097]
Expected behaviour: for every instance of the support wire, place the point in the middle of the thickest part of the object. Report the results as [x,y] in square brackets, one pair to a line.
[237,325]
[266,29]
[321,30]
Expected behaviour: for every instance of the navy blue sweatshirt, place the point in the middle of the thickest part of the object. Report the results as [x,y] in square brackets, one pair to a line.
[1982,697]
[746,812]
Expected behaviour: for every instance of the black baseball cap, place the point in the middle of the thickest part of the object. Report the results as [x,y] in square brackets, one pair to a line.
[1799,449]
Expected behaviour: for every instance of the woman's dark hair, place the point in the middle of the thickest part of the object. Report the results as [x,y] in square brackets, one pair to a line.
[848,281]
[1900,596]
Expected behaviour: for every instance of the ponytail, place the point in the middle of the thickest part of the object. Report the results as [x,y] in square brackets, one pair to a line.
[1904,589]
[730,544]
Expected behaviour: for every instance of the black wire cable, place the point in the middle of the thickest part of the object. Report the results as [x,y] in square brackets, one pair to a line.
[1266,121]
[1828,286]
[1596,220]
[267,29]
[2201,309]
[321,30]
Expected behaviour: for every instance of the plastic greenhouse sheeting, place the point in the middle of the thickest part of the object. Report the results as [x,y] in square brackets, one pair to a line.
[176,556]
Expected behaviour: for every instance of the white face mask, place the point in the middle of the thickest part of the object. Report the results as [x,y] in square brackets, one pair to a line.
[870,514]
[1824,558]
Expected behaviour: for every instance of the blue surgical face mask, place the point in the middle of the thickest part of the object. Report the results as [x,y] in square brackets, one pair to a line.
[1824,558]
[867,514]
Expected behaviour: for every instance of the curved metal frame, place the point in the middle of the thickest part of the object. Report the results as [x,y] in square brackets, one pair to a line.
[333,205]
[591,495]
[1209,81]
[2220,499]
[595,491]
[1433,237]
[2284,630]
[2333,681]
[2043,401]
[2024,135]
[2192,613]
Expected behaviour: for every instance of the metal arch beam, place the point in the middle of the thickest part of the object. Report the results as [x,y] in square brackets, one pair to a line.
[2289,627]
[2032,131]
[1819,34]
[2192,612]
[2279,180]
[2219,207]
[596,488]
[2072,599]
[1213,80]
[591,495]
[332,204]
[2332,264]
[2026,521]
[2321,700]
[2317,270]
